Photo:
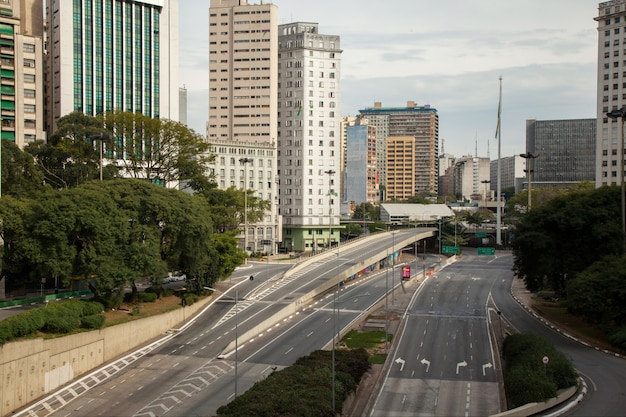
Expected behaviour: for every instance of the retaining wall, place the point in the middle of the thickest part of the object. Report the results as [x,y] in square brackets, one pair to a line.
[32,368]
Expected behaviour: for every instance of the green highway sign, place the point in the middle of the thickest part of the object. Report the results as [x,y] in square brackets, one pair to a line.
[450,249]
[486,251]
[481,234]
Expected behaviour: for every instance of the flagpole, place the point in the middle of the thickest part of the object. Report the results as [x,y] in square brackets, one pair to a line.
[499,188]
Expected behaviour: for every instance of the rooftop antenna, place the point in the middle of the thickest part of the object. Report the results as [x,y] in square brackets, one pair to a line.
[443,143]
[488,154]
[476,145]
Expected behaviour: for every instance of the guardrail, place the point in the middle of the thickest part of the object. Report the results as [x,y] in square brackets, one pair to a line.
[42,299]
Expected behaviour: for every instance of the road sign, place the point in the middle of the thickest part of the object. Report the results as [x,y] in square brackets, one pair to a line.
[486,251]
[450,249]
[481,234]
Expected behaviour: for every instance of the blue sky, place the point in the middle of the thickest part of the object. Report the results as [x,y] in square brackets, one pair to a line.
[446,53]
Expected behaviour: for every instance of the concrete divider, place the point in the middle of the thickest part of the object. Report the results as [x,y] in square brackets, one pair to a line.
[531,409]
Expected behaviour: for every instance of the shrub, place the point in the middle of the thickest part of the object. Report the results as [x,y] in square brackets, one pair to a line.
[146,297]
[618,338]
[94,321]
[57,322]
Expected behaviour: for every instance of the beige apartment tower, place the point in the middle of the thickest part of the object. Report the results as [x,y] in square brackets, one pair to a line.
[400,167]
[243,97]
[21,68]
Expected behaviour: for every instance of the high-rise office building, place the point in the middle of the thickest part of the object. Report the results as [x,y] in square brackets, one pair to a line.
[611,91]
[565,150]
[112,55]
[243,99]
[309,136]
[361,174]
[420,122]
[21,71]
[512,174]
[468,175]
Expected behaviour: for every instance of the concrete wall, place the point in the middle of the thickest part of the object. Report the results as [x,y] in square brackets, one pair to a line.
[30,369]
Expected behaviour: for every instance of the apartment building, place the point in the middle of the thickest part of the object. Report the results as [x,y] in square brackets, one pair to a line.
[112,55]
[243,109]
[420,122]
[21,71]
[400,167]
[309,136]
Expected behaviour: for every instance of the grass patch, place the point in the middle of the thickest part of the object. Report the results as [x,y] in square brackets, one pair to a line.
[129,312]
[576,326]
[366,340]
[378,358]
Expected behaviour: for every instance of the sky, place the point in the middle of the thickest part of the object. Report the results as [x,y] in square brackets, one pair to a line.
[448,54]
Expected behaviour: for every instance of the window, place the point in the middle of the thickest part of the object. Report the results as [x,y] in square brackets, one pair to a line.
[28,92]
[29,47]
[29,62]
[29,108]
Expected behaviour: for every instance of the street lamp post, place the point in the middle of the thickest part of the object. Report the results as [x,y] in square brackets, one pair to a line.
[236,329]
[330,173]
[485,196]
[245,161]
[621,113]
[529,157]
[386,299]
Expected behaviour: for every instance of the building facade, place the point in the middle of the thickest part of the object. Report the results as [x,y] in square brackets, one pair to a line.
[21,71]
[420,122]
[468,175]
[611,91]
[566,151]
[243,107]
[511,173]
[309,136]
[112,55]
[361,174]
[400,167]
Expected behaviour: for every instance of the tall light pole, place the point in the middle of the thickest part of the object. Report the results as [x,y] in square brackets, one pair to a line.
[386,299]
[330,173]
[529,165]
[485,195]
[245,161]
[393,266]
[621,113]
[236,328]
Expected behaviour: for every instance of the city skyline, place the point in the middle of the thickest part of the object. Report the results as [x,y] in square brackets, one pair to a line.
[391,55]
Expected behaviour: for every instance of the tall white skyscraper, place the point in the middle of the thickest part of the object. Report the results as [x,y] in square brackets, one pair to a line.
[243,97]
[611,90]
[112,55]
[309,136]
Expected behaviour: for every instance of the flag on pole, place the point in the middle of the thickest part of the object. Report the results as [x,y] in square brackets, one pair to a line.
[499,111]
[299,110]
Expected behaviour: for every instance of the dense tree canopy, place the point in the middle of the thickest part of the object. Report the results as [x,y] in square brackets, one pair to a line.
[110,234]
[565,235]
[20,175]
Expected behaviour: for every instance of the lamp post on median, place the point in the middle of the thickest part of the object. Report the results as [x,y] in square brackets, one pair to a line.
[245,161]
[236,328]
[386,299]
[529,165]
[485,196]
[614,114]
[330,173]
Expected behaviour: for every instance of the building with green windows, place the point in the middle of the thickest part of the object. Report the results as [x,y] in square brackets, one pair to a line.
[112,55]
[21,71]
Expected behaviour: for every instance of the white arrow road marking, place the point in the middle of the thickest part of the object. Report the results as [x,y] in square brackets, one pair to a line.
[401,362]
[485,366]
[458,365]
[427,363]
[475,278]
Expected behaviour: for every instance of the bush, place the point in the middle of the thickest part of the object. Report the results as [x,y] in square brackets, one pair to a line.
[94,321]
[189,298]
[146,297]
[303,389]
[526,378]
[618,338]
[57,322]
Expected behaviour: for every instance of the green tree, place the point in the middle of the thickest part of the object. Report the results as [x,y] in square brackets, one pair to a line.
[565,235]
[599,293]
[20,175]
[160,150]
